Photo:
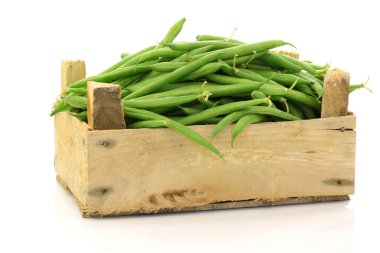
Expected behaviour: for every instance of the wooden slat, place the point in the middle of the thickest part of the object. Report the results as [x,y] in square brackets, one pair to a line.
[149,170]
[104,109]
[70,159]
[72,71]
[335,94]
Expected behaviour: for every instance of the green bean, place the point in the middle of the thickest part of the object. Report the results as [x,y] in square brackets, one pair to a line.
[248,74]
[78,91]
[205,70]
[228,80]
[159,102]
[277,98]
[167,66]
[278,61]
[135,86]
[168,87]
[243,59]
[244,122]
[161,123]
[147,124]
[220,110]
[60,106]
[124,82]
[203,37]
[307,111]
[292,95]
[258,94]
[126,59]
[282,78]
[228,120]
[317,67]
[205,101]
[213,120]
[316,84]
[246,49]
[215,89]
[114,75]
[152,55]
[227,69]
[187,46]
[178,127]
[234,116]
[172,76]
[253,66]
[224,100]
[172,33]
[183,58]
[354,87]
[305,89]
[190,110]
[294,110]
[299,63]
[187,57]
[82,116]
[229,90]
[271,112]
[76,101]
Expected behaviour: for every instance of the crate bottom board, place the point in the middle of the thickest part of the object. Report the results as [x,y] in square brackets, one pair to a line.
[214,206]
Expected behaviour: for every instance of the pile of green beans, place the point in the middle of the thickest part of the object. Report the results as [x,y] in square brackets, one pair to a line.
[213,80]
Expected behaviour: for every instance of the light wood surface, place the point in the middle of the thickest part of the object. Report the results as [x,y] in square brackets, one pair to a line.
[148,170]
[70,160]
[104,109]
[72,71]
[335,93]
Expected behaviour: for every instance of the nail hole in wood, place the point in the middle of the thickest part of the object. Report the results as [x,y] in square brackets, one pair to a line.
[105,143]
[339,182]
[342,129]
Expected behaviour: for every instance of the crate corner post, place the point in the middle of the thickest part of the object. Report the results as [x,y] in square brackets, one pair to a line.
[70,134]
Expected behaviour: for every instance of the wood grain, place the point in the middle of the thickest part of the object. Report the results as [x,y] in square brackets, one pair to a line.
[104,109]
[336,91]
[72,71]
[70,160]
[148,170]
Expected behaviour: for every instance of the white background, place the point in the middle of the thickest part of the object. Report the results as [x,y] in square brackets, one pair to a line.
[37,214]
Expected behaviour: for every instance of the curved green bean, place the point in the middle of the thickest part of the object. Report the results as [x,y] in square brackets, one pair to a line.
[115,74]
[174,125]
[205,70]
[244,122]
[226,121]
[172,32]
[203,37]
[278,61]
[159,102]
[187,46]
[126,59]
[221,110]
[172,76]
[246,49]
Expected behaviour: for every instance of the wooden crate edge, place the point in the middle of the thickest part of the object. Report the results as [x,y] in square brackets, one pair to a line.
[88,213]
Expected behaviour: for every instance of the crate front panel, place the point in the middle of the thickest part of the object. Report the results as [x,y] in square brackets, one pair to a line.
[149,170]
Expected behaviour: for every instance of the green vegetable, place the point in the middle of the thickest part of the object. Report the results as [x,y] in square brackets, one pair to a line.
[213,80]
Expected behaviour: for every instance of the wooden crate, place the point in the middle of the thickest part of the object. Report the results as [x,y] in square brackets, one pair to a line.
[131,171]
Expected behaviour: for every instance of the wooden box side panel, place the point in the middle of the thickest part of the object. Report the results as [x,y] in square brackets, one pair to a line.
[70,159]
[149,170]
